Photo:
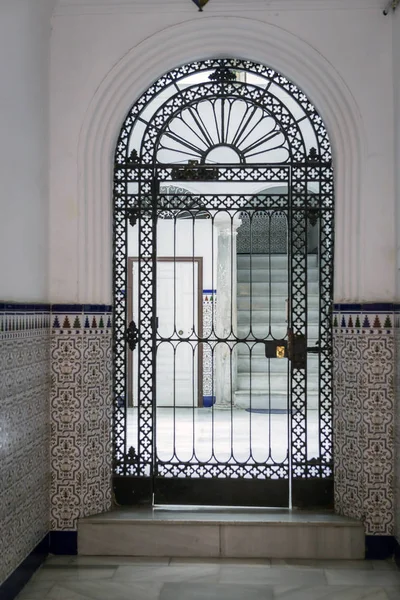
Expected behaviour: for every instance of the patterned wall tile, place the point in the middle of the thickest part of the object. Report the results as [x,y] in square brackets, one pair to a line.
[397,436]
[364,371]
[81,414]
[24,431]
[209,304]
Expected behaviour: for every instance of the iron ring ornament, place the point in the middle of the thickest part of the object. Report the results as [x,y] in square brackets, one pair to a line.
[202,124]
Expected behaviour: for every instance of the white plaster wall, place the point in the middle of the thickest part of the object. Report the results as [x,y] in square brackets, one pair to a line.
[24,115]
[105,51]
[181,243]
[396,82]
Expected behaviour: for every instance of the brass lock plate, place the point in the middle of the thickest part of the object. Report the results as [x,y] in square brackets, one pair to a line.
[280,351]
[275,349]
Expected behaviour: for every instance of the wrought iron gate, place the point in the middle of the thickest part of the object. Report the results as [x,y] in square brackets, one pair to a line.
[232,352]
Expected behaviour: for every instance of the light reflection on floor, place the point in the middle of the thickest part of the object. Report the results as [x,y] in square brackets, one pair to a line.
[197,432]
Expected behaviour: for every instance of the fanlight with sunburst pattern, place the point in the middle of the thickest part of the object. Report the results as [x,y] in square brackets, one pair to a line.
[223,130]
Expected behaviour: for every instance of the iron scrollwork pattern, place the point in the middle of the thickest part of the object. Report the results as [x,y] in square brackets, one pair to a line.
[278,156]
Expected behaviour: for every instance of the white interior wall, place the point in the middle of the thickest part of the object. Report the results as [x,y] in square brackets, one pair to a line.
[186,241]
[24,115]
[92,44]
[396,83]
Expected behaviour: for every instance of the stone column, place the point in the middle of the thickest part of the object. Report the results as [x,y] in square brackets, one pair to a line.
[226,309]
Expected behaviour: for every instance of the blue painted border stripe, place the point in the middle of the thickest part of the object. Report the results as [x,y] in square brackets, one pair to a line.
[18,307]
[373,307]
[209,292]
[11,307]
[81,308]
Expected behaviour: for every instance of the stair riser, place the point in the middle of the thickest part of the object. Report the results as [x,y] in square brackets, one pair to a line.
[259,364]
[263,401]
[264,289]
[276,261]
[277,276]
[258,351]
[279,332]
[278,317]
[277,302]
[282,540]
[278,382]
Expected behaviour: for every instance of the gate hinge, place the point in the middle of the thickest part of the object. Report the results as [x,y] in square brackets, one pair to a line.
[132,336]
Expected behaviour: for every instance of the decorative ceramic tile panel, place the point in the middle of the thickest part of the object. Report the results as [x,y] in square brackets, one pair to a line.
[81,413]
[24,431]
[364,372]
[397,436]
[209,302]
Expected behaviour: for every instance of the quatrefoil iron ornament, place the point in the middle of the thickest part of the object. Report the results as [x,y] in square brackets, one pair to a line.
[200,4]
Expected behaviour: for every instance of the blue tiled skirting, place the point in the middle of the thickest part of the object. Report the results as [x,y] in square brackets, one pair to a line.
[17,580]
[381,547]
[63,542]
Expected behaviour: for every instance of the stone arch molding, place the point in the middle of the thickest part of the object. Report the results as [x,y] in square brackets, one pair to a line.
[200,39]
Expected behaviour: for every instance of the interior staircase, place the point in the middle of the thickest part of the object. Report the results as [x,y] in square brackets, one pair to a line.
[262,290]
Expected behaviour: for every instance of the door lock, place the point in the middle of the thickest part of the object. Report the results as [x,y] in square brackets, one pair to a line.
[276,349]
[297,349]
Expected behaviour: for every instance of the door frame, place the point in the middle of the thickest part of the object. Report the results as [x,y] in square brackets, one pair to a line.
[131,355]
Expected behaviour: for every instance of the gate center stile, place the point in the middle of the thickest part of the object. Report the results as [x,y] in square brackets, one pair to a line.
[223,271]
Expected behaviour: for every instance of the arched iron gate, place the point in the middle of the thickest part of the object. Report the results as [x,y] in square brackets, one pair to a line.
[218,398]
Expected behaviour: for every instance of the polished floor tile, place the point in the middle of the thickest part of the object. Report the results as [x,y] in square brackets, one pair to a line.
[74,572]
[126,578]
[356,577]
[295,563]
[285,592]
[207,591]
[172,573]
[272,576]
[113,590]
[248,562]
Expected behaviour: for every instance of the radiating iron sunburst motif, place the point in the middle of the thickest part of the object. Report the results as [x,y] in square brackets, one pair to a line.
[223,130]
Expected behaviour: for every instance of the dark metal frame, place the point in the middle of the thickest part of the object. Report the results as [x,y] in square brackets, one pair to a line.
[139,201]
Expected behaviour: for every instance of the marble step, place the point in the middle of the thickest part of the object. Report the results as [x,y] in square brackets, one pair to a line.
[277,261]
[273,276]
[279,331]
[258,349]
[221,533]
[277,289]
[277,316]
[262,399]
[274,382]
[245,302]
[259,364]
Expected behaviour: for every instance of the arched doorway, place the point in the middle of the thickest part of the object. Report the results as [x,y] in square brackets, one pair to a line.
[223,357]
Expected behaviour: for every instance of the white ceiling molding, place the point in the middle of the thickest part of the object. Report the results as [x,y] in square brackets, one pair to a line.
[198,39]
[68,7]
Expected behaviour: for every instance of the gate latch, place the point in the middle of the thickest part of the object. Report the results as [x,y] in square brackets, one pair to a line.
[276,349]
[297,349]
[132,335]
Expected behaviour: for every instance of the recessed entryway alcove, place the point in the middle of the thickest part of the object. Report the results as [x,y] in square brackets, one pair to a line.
[133,454]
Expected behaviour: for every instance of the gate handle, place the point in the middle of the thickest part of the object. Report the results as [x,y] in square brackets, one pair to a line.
[314,350]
